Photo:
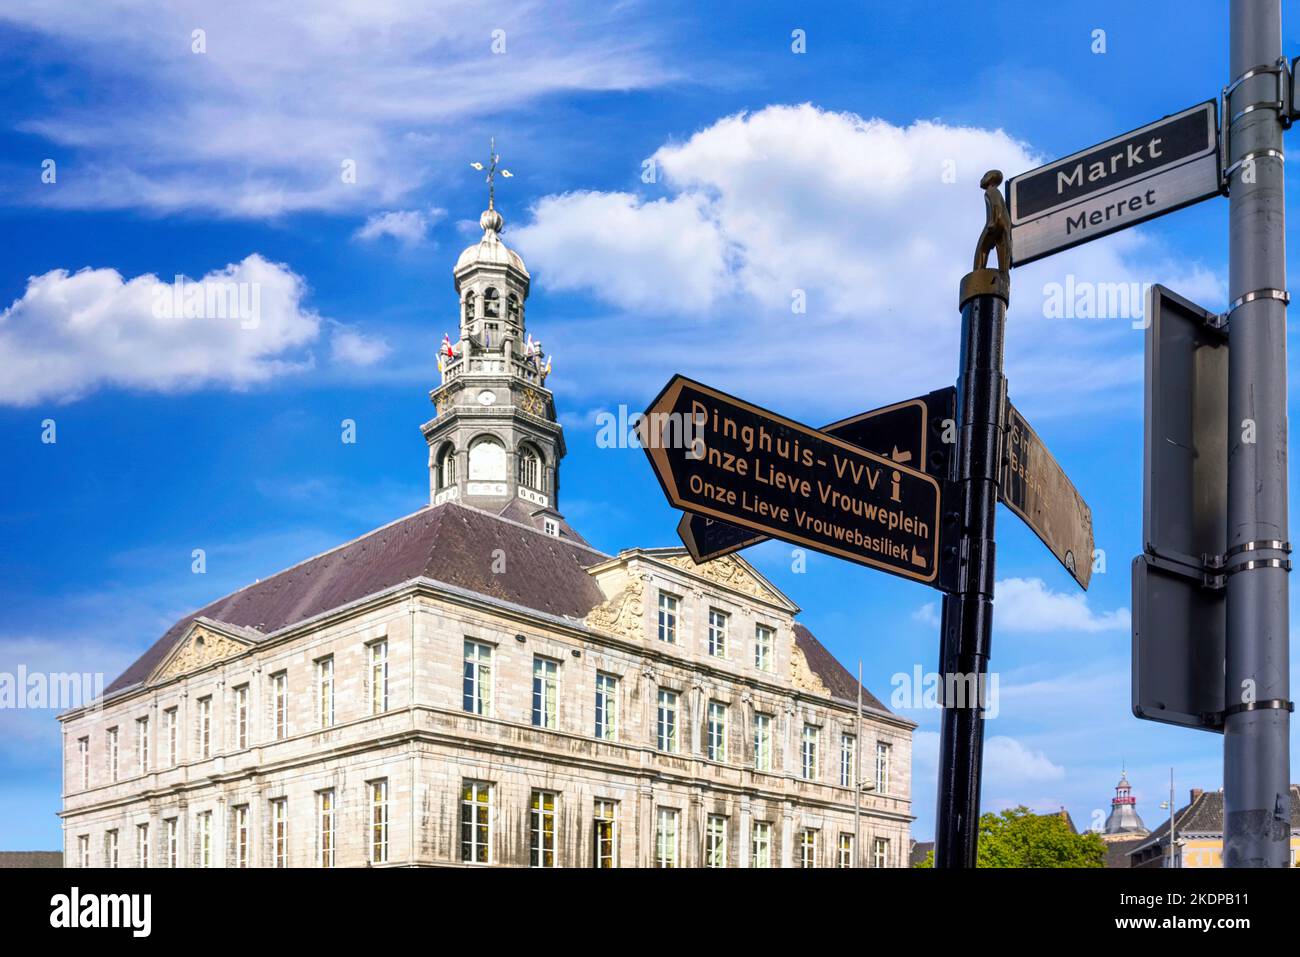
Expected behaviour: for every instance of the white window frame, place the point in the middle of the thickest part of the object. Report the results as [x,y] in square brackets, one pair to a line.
[171,835]
[205,838]
[762,741]
[543,844]
[761,844]
[606,706]
[378,831]
[142,845]
[241,717]
[605,818]
[280,704]
[715,841]
[378,676]
[717,645]
[205,726]
[880,852]
[326,814]
[716,732]
[279,832]
[883,753]
[142,744]
[845,849]
[83,749]
[243,846]
[848,759]
[111,848]
[764,643]
[546,692]
[83,850]
[670,607]
[478,673]
[667,840]
[112,754]
[325,691]
[477,802]
[808,769]
[808,848]
[666,737]
[172,720]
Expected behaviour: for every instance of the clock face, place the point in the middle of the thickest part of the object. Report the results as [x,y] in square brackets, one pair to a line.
[487,397]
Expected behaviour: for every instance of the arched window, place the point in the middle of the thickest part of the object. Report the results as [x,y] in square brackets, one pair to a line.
[487,460]
[491,303]
[447,468]
[530,468]
[469,306]
[512,308]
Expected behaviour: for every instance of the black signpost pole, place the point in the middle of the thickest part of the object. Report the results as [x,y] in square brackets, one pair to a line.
[968,610]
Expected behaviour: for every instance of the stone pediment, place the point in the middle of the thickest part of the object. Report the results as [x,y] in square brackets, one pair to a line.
[204,642]
[731,572]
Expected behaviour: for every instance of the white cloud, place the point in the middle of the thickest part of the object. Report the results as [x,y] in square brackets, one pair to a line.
[1028,605]
[928,614]
[260,123]
[1007,761]
[858,216]
[72,333]
[408,226]
[349,347]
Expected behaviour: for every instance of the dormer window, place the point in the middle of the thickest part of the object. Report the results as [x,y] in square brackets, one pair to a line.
[491,303]
[551,527]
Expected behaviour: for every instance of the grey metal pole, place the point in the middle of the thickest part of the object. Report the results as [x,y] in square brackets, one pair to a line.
[857,776]
[1256,765]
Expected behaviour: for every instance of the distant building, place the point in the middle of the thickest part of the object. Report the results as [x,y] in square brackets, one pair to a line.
[1198,834]
[30,859]
[1123,823]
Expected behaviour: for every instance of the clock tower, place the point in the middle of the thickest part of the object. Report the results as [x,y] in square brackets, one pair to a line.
[494,442]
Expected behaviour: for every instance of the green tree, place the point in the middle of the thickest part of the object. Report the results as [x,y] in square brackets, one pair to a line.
[1018,837]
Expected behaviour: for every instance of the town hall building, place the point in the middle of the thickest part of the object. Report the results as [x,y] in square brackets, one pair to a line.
[474,684]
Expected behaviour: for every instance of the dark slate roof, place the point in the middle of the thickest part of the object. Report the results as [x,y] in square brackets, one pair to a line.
[833,674]
[31,858]
[450,543]
[1204,815]
[919,850]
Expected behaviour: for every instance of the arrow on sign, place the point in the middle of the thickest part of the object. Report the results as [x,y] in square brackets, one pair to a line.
[902,431]
[721,457]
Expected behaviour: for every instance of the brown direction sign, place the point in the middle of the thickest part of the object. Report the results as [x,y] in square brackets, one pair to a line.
[1034,487]
[900,431]
[723,458]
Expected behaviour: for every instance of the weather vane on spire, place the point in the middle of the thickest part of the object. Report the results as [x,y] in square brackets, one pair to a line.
[491,168]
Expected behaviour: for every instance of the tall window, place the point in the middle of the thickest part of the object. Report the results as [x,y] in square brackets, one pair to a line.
[717,633]
[325,691]
[667,721]
[882,767]
[478,678]
[280,703]
[142,745]
[447,468]
[83,849]
[762,742]
[83,751]
[761,845]
[379,822]
[491,303]
[172,837]
[848,759]
[325,826]
[546,689]
[808,752]
[845,856]
[541,830]
[476,823]
[763,636]
[171,719]
[142,845]
[715,841]
[666,837]
[280,832]
[880,852]
[241,717]
[530,468]
[205,727]
[606,706]
[379,677]
[668,606]
[808,847]
[205,839]
[241,836]
[110,848]
[717,731]
[112,754]
[470,313]
[605,823]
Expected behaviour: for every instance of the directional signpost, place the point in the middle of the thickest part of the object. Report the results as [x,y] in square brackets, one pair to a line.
[1157,169]
[723,458]
[909,433]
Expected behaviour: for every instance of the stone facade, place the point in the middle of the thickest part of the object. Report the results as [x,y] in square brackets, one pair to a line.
[426,746]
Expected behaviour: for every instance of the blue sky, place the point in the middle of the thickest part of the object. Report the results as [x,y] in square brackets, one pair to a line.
[774,171]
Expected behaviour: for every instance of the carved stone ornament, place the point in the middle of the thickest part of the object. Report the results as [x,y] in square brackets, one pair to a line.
[622,615]
[802,676]
[725,571]
[202,647]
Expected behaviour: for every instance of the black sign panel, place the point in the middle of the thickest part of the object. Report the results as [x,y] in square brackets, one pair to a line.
[1130,179]
[721,457]
[1036,488]
[908,432]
